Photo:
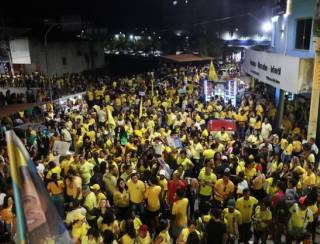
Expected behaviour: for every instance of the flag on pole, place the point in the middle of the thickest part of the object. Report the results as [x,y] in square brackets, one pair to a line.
[212,73]
[111,120]
[140,108]
[37,218]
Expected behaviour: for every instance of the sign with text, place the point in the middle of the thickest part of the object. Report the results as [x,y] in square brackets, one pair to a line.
[274,69]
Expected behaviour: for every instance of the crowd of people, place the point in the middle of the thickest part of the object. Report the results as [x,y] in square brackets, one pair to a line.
[36,87]
[143,167]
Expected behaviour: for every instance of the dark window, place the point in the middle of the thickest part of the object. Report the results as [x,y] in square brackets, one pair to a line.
[303,34]
[64,60]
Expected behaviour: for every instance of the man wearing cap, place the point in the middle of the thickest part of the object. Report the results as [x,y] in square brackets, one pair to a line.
[136,190]
[223,189]
[246,205]
[234,219]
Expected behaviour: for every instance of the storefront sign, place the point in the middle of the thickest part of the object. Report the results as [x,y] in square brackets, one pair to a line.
[279,70]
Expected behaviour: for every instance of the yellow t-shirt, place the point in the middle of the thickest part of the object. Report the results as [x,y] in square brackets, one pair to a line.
[206,182]
[55,188]
[246,208]
[126,239]
[300,218]
[262,216]
[165,237]
[185,162]
[79,231]
[73,187]
[308,180]
[90,201]
[152,195]
[136,191]
[179,209]
[185,234]
[231,219]
[146,240]
[222,190]
[208,153]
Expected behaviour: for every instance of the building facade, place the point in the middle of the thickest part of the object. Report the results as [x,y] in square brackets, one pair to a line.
[68,56]
[288,65]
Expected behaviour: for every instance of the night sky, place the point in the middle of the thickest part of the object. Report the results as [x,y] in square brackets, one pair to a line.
[130,15]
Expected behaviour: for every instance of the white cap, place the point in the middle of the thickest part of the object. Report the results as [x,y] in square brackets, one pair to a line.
[162,172]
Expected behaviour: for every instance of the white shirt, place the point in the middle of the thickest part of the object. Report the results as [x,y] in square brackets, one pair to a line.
[102,116]
[66,135]
[266,129]
[315,148]
[241,186]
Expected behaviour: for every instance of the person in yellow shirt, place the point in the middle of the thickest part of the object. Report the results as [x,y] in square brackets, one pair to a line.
[185,232]
[183,160]
[121,199]
[223,189]
[233,219]
[79,228]
[152,195]
[261,221]
[222,136]
[163,236]
[130,233]
[246,205]
[287,151]
[144,235]
[308,178]
[301,216]
[136,190]
[210,152]
[206,179]
[179,211]
[296,146]
[53,169]
[56,190]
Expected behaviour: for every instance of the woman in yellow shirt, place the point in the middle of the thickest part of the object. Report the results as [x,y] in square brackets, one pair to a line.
[163,236]
[308,178]
[121,199]
[130,233]
[110,223]
[56,189]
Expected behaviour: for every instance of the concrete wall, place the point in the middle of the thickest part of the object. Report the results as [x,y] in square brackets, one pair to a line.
[284,34]
[76,54]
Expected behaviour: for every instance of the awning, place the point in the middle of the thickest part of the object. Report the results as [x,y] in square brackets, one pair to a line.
[186,58]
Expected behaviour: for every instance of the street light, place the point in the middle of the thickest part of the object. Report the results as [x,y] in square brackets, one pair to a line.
[266,26]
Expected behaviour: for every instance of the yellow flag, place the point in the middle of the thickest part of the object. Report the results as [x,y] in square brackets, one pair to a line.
[212,73]
[111,121]
[140,108]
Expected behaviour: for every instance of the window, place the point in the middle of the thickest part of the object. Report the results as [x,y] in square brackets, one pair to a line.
[303,34]
[64,60]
